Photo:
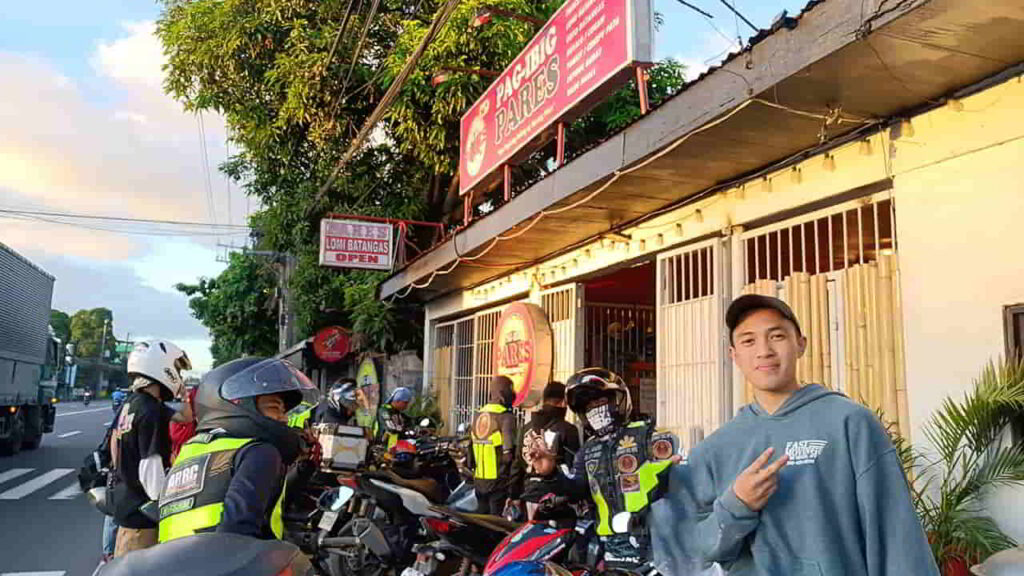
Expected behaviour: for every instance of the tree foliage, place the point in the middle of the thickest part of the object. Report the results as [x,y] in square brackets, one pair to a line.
[87,329]
[295,80]
[238,307]
[61,324]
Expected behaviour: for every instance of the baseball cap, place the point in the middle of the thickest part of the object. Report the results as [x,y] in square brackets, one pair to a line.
[744,305]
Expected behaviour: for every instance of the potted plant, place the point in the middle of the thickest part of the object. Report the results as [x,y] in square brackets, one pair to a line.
[970,453]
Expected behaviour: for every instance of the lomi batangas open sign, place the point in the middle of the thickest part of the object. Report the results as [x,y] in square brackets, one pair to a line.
[523,351]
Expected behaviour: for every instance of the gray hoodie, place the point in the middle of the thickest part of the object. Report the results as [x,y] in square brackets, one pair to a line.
[842,505]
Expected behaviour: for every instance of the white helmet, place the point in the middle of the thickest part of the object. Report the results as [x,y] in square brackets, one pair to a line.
[160,361]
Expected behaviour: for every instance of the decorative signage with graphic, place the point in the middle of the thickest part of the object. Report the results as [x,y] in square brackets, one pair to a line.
[356,244]
[523,351]
[367,392]
[586,50]
[332,344]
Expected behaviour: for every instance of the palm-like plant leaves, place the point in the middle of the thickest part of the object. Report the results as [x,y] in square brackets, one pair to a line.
[970,455]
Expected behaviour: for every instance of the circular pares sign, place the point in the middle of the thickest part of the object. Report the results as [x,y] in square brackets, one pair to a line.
[331,344]
[523,351]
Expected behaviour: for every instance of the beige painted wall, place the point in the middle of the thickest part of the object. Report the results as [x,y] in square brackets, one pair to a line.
[959,193]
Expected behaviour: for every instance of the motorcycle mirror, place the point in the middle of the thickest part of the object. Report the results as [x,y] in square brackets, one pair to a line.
[344,494]
[425,423]
[620,522]
[326,500]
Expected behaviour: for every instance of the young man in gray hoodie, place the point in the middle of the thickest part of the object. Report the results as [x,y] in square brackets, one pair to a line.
[803,480]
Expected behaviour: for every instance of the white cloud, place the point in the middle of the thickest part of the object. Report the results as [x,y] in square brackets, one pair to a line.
[137,58]
[710,51]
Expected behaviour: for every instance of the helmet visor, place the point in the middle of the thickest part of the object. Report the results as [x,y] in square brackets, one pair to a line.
[271,376]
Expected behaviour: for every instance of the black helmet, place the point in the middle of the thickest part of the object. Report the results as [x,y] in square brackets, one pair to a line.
[227,400]
[342,397]
[590,384]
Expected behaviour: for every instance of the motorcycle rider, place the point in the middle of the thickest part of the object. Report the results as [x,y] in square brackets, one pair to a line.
[392,421]
[140,445]
[546,443]
[622,465]
[341,404]
[494,437]
[230,476]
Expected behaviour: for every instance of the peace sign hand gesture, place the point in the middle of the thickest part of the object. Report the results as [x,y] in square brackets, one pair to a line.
[759,481]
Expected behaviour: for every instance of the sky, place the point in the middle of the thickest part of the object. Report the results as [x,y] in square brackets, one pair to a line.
[86,128]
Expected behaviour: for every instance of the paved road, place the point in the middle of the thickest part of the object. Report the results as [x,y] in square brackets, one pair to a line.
[47,528]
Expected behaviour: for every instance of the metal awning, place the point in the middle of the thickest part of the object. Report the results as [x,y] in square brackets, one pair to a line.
[870,59]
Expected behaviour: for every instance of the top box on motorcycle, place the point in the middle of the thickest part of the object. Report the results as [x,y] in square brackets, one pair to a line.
[343,447]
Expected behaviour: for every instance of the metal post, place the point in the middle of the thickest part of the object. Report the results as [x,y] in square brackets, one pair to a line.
[506,172]
[641,86]
[286,308]
[560,144]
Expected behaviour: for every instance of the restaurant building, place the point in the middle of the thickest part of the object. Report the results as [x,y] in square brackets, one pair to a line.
[863,161]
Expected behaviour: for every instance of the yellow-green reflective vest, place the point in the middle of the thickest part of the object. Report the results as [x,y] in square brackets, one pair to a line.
[390,438]
[192,500]
[299,415]
[487,442]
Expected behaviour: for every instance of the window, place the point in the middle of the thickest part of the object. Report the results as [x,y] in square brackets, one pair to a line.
[1013,317]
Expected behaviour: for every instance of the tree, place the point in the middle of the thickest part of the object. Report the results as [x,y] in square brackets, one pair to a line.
[238,307]
[61,324]
[87,332]
[296,79]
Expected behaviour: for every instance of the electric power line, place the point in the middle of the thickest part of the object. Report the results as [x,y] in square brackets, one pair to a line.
[81,216]
[440,19]
[204,153]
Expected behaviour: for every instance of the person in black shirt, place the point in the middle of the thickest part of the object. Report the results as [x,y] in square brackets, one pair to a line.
[140,445]
[549,435]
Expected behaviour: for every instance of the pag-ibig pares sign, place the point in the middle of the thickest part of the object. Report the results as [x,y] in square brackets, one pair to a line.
[355,244]
[585,50]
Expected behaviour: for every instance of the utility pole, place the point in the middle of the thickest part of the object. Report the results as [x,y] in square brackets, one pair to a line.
[285,265]
[103,356]
[285,308]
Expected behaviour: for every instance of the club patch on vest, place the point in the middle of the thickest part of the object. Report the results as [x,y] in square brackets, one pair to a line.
[187,480]
[176,507]
[629,483]
[627,463]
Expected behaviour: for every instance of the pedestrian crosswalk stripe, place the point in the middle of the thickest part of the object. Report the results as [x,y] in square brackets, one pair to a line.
[22,490]
[13,473]
[69,493]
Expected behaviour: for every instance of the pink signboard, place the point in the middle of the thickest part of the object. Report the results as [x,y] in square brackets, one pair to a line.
[585,47]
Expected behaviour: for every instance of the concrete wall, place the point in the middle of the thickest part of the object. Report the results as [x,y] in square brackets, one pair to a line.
[959,194]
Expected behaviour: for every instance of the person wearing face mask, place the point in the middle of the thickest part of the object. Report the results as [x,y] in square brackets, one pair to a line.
[494,437]
[622,465]
[230,476]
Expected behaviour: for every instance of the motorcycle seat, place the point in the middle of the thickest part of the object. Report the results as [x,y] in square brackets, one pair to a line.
[495,523]
[426,486]
[212,554]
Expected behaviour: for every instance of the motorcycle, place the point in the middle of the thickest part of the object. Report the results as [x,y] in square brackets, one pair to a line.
[87,397]
[213,554]
[558,532]
[420,473]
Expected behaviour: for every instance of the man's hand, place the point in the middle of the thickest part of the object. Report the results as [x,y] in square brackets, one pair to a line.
[755,485]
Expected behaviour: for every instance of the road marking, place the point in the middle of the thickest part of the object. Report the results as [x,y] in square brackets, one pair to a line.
[69,493]
[22,490]
[81,412]
[108,423]
[70,434]
[13,473]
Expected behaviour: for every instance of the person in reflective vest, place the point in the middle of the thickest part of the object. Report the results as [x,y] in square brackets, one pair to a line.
[230,476]
[494,439]
[622,465]
[392,422]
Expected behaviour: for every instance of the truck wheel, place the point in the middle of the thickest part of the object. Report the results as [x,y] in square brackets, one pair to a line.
[33,428]
[12,445]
